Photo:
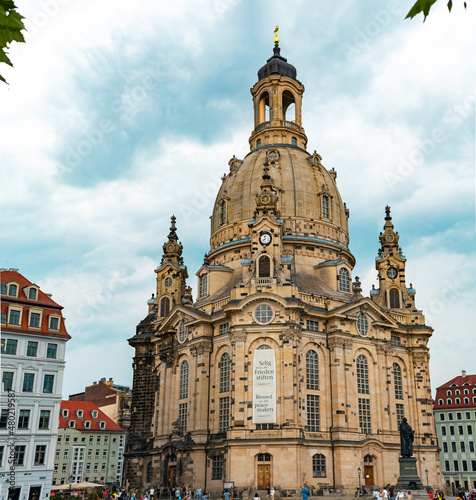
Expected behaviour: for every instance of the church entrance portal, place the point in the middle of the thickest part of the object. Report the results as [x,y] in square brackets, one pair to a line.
[172,476]
[264,476]
[369,475]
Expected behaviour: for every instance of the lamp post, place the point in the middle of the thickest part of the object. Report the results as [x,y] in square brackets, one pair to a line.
[426,472]
[359,471]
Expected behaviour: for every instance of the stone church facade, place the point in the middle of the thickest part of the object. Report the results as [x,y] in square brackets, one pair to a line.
[281,372]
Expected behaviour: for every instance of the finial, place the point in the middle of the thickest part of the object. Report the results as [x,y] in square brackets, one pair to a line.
[172,227]
[387,212]
[276,38]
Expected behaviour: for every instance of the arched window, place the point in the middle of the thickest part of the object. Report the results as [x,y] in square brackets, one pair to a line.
[264,267]
[457,401]
[225,373]
[184,380]
[318,465]
[293,141]
[362,375]
[258,143]
[457,392]
[440,402]
[368,459]
[183,332]
[448,401]
[164,307]
[394,296]
[203,285]
[325,206]
[312,371]
[222,212]
[466,401]
[344,280]
[362,324]
[12,290]
[397,379]
[263,110]
[289,106]
[149,473]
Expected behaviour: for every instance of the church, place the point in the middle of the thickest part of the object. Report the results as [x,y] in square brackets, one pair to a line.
[281,372]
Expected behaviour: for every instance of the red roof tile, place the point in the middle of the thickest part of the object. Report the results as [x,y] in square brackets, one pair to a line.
[87,408]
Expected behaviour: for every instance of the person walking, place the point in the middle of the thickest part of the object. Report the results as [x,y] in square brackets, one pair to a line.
[305,492]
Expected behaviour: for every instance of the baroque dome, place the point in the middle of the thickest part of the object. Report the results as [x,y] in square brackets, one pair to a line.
[301,184]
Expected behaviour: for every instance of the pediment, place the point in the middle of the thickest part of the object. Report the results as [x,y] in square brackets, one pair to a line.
[366,306]
[180,313]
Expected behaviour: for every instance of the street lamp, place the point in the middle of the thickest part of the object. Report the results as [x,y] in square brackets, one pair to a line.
[359,471]
[426,472]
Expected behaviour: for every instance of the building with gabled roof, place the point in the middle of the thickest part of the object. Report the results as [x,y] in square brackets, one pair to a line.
[90,446]
[455,422]
[33,344]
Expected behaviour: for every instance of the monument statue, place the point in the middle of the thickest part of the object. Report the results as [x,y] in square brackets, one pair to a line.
[406,438]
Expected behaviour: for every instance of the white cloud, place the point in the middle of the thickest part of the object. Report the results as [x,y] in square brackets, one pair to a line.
[87,62]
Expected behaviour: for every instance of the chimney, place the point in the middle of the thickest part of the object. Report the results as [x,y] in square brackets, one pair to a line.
[463,373]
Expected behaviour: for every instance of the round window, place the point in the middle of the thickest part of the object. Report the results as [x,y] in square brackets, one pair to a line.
[362,324]
[168,282]
[264,314]
[272,156]
[183,333]
[392,273]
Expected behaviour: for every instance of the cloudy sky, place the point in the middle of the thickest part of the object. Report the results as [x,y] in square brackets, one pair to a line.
[120,114]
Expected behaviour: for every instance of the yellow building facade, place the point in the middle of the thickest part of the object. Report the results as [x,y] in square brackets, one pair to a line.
[281,372]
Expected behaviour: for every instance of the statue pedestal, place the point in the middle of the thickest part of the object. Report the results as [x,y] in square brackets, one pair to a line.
[409,479]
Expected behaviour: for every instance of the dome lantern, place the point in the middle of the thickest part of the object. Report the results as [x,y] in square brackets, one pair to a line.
[277,100]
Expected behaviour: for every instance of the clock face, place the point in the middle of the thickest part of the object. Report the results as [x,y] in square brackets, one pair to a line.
[265,239]
[392,273]
[389,237]
[265,199]
[170,248]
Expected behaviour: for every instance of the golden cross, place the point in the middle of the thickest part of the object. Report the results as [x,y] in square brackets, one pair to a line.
[276,38]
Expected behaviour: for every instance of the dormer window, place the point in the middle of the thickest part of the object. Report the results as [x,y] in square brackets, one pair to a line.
[87,424]
[35,319]
[102,424]
[32,293]
[325,206]
[344,280]
[440,402]
[13,290]
[54,323]
[94,413]
[72,424]
[4,289]
[79,413]
[64,413]
[222,212]
[203,285]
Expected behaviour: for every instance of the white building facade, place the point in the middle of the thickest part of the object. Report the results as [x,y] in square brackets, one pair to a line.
[33,343]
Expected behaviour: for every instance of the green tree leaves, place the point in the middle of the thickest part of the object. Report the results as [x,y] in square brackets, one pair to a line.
[425,6]
[11,26]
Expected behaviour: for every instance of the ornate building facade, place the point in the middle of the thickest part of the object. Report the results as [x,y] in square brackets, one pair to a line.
[281,372]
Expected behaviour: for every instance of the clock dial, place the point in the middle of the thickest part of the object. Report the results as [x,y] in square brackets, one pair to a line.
[265,239]
[265,199]
[389,237]
[170,248]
